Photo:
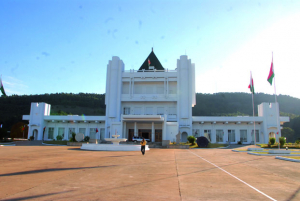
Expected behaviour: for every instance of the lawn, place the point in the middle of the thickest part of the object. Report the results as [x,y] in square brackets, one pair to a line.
[293,157]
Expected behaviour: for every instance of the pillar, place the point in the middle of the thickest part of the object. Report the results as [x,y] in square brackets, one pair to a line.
[153,132]
[135,129]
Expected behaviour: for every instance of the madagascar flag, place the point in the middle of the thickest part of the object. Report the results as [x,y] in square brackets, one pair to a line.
[2,88]
[251,85]
[271,73]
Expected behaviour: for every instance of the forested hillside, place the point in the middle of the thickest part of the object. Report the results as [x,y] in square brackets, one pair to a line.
[221,104]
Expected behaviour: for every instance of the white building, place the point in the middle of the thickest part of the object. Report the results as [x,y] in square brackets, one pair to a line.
[155,103]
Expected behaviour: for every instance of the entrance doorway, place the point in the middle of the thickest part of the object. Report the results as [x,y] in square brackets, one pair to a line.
[145,133]
[184,136]
[130,134]
[35,134]
[158,135]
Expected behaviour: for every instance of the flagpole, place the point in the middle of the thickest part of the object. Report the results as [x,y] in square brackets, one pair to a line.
[277,106]
[253,120]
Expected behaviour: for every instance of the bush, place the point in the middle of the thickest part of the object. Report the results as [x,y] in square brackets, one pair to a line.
[282,141]
[239,142]
[59,138]
[31,138]
[191,139]
[297,141]
[86,138]
[272,140]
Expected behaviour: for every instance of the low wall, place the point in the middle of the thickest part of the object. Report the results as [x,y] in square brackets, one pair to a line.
[175,146]
[76,143]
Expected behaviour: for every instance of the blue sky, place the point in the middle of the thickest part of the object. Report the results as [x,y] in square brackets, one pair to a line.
[65,45]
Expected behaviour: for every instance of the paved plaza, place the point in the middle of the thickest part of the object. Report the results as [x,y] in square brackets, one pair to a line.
[68,173]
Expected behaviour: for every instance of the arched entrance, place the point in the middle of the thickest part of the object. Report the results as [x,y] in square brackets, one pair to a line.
[35,134]
[272,134]
[184,136]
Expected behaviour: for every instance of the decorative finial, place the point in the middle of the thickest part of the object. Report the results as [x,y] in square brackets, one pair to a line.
[152,49]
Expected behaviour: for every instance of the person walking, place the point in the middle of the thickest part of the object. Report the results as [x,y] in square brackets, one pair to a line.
[143,145]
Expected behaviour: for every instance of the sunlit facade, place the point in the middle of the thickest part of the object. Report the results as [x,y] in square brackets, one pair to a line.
[156,103]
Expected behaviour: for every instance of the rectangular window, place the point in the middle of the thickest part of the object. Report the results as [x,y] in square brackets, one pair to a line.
[149,89]
[126,110]
[138,88]
[125,88]
[93,133]
[102,133]
[160,111]
[219,135]
[149,111]
[71,130]
[231,135]
[172,111]
[257,135]
[243,135]
[172,88]
[50,133]
[207,134]
[160,88]
[82,130]
[137,111]
[196,132]
[61,132]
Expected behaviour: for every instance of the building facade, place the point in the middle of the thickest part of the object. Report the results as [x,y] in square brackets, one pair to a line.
[155,103]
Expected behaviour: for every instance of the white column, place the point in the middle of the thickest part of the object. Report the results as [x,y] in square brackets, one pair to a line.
[152,132]
[66,133]
[124,130]
[135,129]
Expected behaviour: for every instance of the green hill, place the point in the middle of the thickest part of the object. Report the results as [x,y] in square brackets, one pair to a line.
[220,104]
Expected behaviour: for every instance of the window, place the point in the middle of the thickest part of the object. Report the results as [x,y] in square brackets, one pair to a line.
[82,130]
[196,132]
[149,89]
[243,135]
[231,135]
[160,111]
[71,130]
[92,133]
[138,88]
[102,133]
[126,110]
[256,134]
[172,88]
[149,111]
[219,135]
[207,134]
[172,111]
[137,110]
[61,132]
[160,88]
[125,88]
[50,133]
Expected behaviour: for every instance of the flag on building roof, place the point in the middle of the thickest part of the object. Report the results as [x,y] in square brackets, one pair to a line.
[149,62]
[2,88]
[271,73]
[251,85]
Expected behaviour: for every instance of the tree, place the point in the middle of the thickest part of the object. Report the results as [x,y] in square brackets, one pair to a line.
[289,134]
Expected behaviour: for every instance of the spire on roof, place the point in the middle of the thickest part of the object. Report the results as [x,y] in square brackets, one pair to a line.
[150,61]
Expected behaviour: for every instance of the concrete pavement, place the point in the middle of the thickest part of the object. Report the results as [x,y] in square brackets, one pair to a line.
[68,173]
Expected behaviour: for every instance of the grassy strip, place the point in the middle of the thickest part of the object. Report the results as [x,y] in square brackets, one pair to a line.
[56,142]
[290,146]
[292,157]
